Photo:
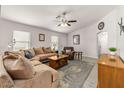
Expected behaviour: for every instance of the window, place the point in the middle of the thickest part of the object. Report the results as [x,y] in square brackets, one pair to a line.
[54,42]
[22,40]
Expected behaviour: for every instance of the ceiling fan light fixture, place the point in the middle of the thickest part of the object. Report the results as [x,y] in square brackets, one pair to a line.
[64,25]
[63,21]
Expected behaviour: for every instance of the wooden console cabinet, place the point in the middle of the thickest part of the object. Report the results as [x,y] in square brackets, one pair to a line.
[110,73]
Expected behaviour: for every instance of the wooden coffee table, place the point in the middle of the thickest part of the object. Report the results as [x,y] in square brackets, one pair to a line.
[57,62]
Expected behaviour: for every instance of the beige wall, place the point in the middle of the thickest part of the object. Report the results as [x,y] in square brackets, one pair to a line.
[7,27]
[88,35]
[88,40]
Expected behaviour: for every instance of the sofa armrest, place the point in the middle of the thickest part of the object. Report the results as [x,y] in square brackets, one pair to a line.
[73,52]
[5,80]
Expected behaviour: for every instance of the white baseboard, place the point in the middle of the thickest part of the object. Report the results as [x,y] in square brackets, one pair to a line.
[89,59]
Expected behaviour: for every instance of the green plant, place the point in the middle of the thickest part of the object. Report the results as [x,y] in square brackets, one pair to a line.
[112,49]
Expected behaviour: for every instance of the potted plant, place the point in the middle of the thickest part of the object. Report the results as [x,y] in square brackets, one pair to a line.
[112,52]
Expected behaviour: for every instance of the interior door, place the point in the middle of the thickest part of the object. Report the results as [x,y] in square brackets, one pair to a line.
[102,42]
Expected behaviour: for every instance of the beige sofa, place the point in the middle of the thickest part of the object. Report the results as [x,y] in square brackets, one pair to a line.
[44,77]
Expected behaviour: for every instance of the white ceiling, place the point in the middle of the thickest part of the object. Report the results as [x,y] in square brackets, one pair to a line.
[45,15]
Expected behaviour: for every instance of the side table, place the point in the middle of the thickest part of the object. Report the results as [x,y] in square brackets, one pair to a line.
[78,55]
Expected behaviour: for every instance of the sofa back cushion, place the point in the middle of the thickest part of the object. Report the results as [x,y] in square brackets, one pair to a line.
[68,50]
[38,51]
[18,67]
[47,50]
[5,80]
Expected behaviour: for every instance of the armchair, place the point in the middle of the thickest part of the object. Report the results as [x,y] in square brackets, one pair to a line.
[69,51]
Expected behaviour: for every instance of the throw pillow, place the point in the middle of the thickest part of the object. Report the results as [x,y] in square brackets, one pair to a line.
[17,67]
[28,54]
[5,80]
[38,51]
[32,51]
[47,50]
[68,50]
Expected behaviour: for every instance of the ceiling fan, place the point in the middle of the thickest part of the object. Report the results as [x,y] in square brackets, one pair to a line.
[63,21]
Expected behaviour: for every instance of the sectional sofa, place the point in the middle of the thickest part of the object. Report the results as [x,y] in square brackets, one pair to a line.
[43,76]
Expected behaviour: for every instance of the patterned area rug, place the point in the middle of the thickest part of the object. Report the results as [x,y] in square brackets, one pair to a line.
[74,74]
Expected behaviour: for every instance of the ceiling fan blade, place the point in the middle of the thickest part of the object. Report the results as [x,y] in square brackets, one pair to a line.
[68,24]
[59,25]
[71,21]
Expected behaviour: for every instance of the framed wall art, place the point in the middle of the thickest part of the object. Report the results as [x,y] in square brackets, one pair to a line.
[41,37]
[76,39]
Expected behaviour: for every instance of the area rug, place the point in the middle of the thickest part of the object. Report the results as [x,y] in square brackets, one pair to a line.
[74,74]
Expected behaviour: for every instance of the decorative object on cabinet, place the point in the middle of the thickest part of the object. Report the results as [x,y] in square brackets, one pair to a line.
[76,39]
[112,50]
[113,53]
[41,37]
[121,26]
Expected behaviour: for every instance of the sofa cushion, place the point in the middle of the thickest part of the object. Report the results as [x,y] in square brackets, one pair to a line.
[39,57]
[38,51]
[35,58]
[35,62]
[24,83]
[5,80]
[18,67]
[50,54]
[28,54]
[47,68]
[43,56]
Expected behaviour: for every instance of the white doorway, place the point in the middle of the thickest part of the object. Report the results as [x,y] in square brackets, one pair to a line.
[102,42]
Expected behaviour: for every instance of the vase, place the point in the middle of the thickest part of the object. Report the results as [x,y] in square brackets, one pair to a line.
[113,53]
[112,56]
